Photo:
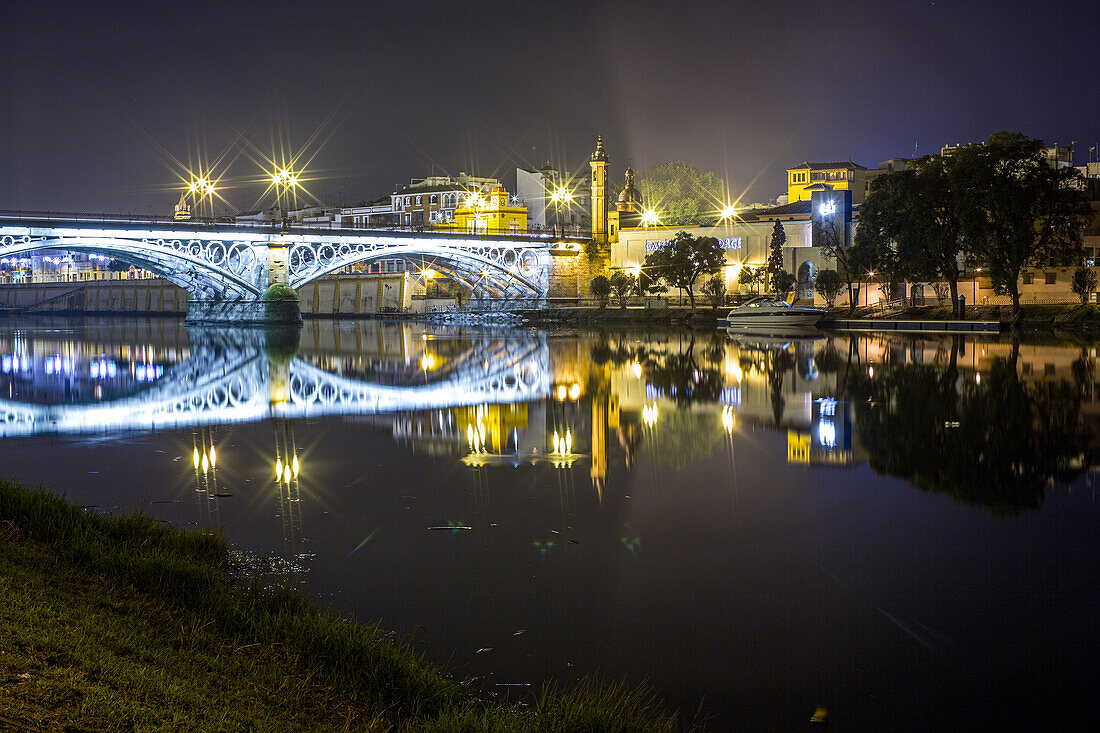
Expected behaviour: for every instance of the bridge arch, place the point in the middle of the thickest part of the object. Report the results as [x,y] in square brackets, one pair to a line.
[492,269]
[207,268]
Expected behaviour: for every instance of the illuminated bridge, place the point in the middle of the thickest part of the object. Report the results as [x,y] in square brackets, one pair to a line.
[230,377]
[227,263]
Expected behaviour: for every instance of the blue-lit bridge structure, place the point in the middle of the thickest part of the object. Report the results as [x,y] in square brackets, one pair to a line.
[232,262]
[231,377]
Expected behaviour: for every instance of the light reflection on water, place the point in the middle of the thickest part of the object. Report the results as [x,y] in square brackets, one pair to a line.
[901,529]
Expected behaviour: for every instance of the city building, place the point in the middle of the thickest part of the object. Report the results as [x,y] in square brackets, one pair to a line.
[553,203]
[746,239]
[369,214]
[432,201]
[803,180]
[491,214]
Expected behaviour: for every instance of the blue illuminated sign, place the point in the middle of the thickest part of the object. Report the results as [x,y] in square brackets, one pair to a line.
[727,243]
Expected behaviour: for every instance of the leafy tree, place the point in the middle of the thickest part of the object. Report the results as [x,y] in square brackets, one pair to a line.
[592,250]
[681,261]
[775,252]
[1018,210]
[622,285]
[1084,282]
[996,444]
[600,287]
[750,276]
[783,283]
[649,284]
[715,290]
[828,284]
[682,194]
[910,227]
[829,234]
[684,378]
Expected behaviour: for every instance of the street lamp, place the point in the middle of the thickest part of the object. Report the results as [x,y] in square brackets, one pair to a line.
[974,295]
[283,180]
[649,218]
[561,196]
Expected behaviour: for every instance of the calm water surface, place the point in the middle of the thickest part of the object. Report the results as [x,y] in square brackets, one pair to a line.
[903,530]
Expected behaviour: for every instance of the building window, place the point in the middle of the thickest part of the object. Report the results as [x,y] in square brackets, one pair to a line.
[1028,278]
[434,199]
[418,200]
[408,200]
[1051,277]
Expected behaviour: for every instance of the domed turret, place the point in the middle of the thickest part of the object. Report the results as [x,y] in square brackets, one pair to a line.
[630,199]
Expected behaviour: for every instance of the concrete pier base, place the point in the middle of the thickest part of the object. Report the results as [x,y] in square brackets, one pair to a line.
[243,312]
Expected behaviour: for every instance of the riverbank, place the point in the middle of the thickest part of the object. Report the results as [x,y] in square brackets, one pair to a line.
[122,623]
[1059,317]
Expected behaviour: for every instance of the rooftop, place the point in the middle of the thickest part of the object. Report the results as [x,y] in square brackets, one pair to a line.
[845,164]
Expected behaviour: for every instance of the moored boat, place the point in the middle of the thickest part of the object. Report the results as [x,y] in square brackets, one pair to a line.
[766,313]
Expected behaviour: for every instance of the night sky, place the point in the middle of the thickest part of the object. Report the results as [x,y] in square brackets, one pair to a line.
[96,98]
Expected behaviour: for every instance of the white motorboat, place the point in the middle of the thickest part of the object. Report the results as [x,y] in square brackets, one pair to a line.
[764,313]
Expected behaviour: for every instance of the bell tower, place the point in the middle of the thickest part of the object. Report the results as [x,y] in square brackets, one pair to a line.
[599,193]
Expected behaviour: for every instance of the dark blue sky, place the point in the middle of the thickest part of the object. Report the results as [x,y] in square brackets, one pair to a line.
[92,95]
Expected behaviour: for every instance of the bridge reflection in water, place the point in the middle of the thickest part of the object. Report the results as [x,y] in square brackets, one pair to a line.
[233,376]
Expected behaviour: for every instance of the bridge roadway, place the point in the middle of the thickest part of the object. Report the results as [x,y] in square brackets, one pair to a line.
[231,376]
[231,262]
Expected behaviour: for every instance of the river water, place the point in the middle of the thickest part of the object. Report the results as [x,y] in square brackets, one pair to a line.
[901,529]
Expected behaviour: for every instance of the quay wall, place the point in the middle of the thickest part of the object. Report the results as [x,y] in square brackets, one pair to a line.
[338,295]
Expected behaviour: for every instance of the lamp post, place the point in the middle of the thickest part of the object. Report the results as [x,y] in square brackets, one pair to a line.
[974,294]
[284,180]
[560,196]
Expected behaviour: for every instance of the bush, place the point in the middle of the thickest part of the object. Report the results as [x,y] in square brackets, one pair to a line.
[279,292]
[783,283]
[600,287]
[1084,282]
[623,284]
[715,290]
[828,284]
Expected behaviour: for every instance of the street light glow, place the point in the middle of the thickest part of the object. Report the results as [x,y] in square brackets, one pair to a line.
[649,218]
[729,212]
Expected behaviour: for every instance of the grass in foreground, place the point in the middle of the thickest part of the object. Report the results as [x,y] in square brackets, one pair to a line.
[113,623]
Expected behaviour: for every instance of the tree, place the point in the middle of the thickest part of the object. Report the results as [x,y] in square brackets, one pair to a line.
[750,276]
[686,195]
[1084,282]
[1017,209]
[830,235]
[649,284]
[910,227]
[783,283]
[775,252]
[622,285]
[681,261]
[715,290]
[592,250]
[828,284]
[600,287]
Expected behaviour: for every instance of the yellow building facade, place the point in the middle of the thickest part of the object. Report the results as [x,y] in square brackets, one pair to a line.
[491,214]
[803,180]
